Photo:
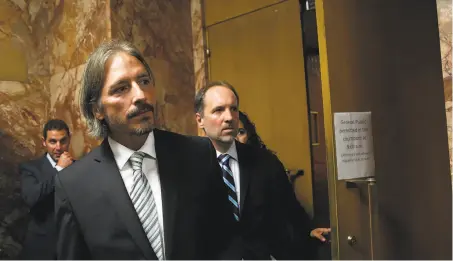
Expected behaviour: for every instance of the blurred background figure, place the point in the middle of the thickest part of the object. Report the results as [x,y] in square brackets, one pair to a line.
[247,134]
[38,190]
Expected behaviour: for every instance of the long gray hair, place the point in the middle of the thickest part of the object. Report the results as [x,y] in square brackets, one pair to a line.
[93,81]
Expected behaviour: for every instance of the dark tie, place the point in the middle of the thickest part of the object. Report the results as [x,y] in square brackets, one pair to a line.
[224,160]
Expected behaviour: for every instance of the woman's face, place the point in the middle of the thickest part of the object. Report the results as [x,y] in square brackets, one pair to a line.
[242,136]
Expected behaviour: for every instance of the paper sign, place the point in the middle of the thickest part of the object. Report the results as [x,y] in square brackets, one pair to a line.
[354,145]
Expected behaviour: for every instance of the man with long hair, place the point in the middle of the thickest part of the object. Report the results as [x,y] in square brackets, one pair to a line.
[143,193]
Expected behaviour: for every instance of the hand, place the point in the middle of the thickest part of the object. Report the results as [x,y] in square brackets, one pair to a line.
[65,160]
[318,232]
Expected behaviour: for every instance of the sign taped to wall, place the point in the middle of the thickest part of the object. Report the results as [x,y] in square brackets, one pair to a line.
[354,145]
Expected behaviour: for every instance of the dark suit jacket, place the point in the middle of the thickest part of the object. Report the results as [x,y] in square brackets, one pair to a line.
[272,221]
[38,193]
[97,220]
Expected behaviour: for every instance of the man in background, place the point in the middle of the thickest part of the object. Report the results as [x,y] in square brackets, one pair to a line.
[38,189]
[269,220]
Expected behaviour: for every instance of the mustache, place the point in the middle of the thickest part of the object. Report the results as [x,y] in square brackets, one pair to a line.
[140,108]
[231,126]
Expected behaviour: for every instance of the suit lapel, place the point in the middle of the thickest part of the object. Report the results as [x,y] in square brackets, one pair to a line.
[47,169]
[245,172]
[168,174]
[112,185]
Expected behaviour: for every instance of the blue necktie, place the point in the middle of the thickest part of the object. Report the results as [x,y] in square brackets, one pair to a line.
[224,160]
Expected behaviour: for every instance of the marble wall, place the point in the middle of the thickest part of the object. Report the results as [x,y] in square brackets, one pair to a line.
[23,109]
[444,13]
[78,32]
[199,49]
[57,36]
[162,31]
[199,43]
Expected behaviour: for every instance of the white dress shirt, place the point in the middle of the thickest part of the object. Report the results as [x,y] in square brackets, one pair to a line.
[53,163]
[122,155]
[234,166]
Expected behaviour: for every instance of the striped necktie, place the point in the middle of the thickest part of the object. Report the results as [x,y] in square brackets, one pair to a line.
[143,200]
[224,160]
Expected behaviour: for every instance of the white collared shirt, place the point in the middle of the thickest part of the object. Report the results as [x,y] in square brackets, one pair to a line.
[122,155]
[234,166]
[53,163]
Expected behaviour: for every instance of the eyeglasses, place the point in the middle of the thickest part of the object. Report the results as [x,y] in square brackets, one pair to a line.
[242,131]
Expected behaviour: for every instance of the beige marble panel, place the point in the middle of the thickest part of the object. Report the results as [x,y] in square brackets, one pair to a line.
[199,48]
[23,110]
[444,13]
[64,105]
[79,27]
[162,31]
[28,26]
[198,42]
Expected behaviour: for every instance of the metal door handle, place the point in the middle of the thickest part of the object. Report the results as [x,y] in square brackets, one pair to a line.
[352,240]
[314,128]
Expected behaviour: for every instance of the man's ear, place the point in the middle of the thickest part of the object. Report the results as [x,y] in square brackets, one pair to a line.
[98,113]
[43,142]
[199,120]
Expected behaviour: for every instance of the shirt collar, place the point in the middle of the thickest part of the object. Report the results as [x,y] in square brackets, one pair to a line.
[123,153]
[231,151]
[52,162]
